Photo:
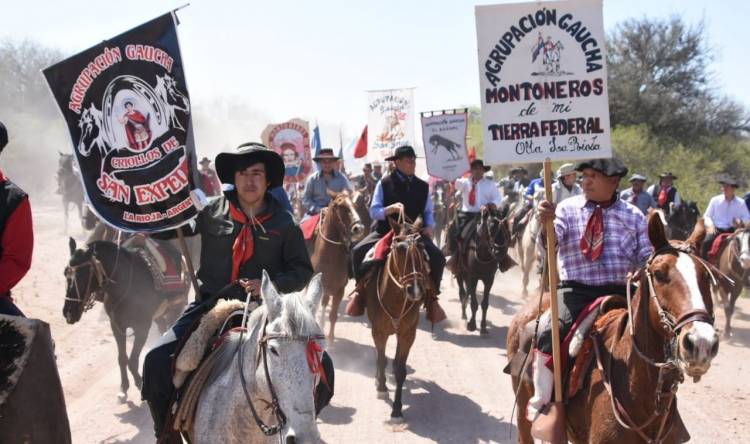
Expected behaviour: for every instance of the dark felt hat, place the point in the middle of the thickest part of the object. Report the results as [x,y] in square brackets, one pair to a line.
[667,174]
[205,160]
[728,179]
[480,162]
[325,153]
[274,164]
[402,151]
[3,136]
[608,167]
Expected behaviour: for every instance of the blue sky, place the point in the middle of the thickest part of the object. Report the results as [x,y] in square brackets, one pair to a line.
[314,60]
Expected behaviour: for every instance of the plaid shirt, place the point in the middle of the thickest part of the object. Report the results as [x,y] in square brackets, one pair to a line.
[626,243]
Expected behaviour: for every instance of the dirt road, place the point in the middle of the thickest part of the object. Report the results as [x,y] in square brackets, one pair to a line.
[455,391]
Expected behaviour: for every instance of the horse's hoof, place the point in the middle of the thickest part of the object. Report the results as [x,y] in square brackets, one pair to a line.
[382,395]
[396,420]
[463,316]
[122,397]
[471,326]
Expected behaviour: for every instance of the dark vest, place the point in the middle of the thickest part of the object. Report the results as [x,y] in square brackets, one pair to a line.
[670,196]
[413,195]
[10,197]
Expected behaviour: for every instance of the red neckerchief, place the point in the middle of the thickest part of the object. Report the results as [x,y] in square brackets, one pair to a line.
[2,177]
[473,193]
[663,196]
[244,244]
[592,241]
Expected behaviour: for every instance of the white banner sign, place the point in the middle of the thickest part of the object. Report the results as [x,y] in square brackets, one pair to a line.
[390,122]
[543,81]
[444,137]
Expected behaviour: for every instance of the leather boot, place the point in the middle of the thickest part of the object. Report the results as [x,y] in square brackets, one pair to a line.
[356,305]
[435,312]
[544,382]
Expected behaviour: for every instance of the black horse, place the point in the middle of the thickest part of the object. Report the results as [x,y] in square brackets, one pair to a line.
[681,221]
[485,252]
[436,140]
[69,186]
[121,280]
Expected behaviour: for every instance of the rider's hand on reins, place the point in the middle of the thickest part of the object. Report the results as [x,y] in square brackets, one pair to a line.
[395,208]
[251,286]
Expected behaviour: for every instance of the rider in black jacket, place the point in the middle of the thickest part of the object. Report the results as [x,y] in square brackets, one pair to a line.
[243,232]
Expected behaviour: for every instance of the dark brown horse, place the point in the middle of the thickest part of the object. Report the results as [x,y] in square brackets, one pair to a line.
[339,226]
[394,297]
[361,199]
[641,357]
[486,252]
[122,281]
[69,186]
[734,261]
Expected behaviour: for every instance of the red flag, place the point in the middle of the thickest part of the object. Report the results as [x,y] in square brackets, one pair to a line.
[361,149]
[472,154]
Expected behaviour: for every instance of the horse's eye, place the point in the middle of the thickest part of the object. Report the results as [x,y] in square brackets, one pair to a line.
[273,350]
[661,276]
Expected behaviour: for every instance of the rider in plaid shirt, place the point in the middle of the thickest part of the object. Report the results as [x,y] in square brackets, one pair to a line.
[600,239]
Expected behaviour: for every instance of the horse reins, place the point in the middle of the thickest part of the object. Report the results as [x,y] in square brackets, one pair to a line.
[274,405]
[491,238]
[87,298]
[669,369]
[346,242]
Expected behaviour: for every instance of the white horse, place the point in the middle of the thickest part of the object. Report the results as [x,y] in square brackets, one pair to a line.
[526,250]
[266,366]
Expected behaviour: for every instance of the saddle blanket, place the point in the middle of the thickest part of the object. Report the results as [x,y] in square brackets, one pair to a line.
[309,225]
[165,265]
[717,244]
[379,251]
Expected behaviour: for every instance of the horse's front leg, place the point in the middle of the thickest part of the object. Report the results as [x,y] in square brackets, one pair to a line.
[729,310]
[462,296]
[472,290]
[399,371]
[141,334]
[487,284]
[380,340]
[333,315]
[122,359]
[323,304]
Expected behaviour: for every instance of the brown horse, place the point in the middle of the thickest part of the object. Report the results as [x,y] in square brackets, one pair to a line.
[643,357]
[393,301]
[339,226]
[361,199]
[734,261]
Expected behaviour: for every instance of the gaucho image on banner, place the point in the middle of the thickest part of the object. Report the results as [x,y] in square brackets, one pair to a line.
[127,109]
[291,140]
[543,81]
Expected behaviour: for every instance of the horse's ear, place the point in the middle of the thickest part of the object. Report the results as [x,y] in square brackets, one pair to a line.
[656,232]
[314,292]
[699,233]
[271,297]
[72,245]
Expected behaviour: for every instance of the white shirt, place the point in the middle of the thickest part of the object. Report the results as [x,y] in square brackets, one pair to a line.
[486,193]
[721,213]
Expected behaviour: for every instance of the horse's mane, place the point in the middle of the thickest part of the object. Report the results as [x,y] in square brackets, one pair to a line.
[298,319]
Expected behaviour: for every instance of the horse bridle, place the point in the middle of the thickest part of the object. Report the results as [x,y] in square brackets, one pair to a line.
[87,298]
[495,245]
[347,239]
[274,405]
[671,365]
[404,278]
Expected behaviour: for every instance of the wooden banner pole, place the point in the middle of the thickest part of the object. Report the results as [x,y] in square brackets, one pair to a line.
[188,262]
[549,228]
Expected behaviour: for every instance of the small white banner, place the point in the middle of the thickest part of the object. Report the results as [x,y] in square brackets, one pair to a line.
[444,137]
[543,81]
[390,122]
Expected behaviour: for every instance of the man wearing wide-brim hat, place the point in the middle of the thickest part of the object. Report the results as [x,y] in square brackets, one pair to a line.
[400,192]
[565,185]
[637,196]
[664,193]
[723,212]
[243,232]
[322,183]
[600,238]
[477,193]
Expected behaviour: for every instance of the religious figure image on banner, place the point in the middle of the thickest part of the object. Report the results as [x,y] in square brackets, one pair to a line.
[127,109]
[390,122]
[543,81]
[444,137]
[292,141]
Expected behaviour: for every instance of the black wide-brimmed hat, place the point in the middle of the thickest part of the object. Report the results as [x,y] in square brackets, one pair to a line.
[274,164]
[205,160]
[402,151]
[728,179]
[608,167]
[480,162]
[326,154]
[667,174]
[3,136]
